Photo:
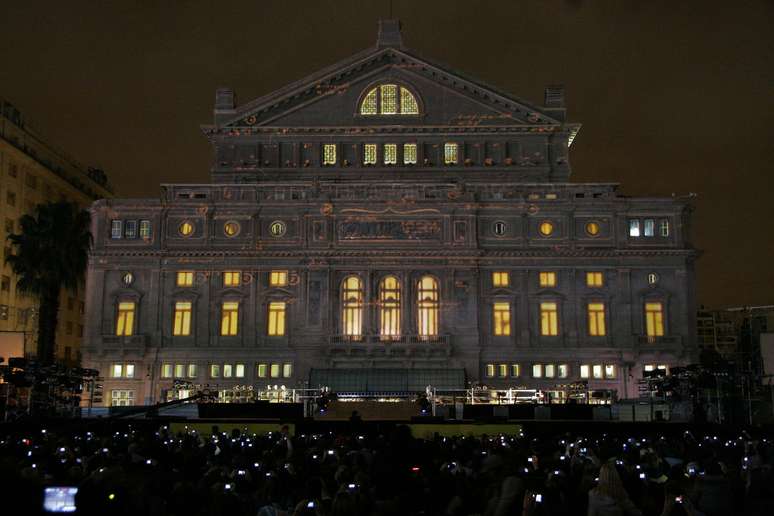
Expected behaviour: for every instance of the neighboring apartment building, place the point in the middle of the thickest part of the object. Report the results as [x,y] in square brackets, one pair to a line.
[32,172]
[382,225]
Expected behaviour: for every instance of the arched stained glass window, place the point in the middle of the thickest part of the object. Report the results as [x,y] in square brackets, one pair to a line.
[389,308]
[352,308]
[427,307]
[389,99]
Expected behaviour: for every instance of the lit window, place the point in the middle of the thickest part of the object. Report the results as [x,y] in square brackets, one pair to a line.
[410,154]
[185,278]
[537,370]
[191,370]
[262,370]
[329,154]
[182,326]
[584,371]
[652,278]
[389,99]
[145,229]
[499,228]
[549,370]
[502,370]
[609,371]
[130,229]
[649,367]
[490,370]
[596,319]
[125,319]
[118,370]
[389,308]
[352,307]
[408,103]
[231,228]
[390,154]
[278,279]
[664,228]
[546,228]
[239,370]
[232,279]
[121,398]
[563,371]
[179,370]
[116,229]
[166,371]
[228,371]
[287,370]
[654,319]
[501,279]
[649,227]
[276,318]
[547,279]
[277,228]
[515,370]
[501,312]
[592,229]
[427,307]
[450,153]
[369,105]
[214,371]
[129,371]
[549,319]
[634,228]
[229,318]
[596,371]
[594,279]
[369,156]
[186,228]
[275,370]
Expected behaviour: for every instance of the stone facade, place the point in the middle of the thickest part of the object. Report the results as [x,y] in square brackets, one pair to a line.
[468,182]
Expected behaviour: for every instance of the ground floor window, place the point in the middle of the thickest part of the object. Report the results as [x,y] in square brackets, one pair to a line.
[121,397]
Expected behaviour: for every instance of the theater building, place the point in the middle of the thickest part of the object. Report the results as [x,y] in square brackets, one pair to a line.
[386,224]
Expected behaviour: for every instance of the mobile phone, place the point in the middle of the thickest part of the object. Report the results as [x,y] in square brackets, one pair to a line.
[539,498]
[227,487]
[678,499]
[352,486]
[642,476]
[59,499]
[310,505]
[241,472]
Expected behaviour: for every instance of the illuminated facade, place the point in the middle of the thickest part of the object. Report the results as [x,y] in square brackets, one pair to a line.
[387,214]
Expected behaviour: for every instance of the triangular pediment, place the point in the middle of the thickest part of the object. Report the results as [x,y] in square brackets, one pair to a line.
[331,97]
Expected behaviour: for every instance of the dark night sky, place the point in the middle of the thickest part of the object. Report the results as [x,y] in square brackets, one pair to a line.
[673,96]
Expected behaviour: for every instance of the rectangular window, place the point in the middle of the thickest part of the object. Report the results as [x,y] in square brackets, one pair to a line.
[276,318]
[125,319]
[130,229]
[11,198]
[185,278]
[166,371]
[549,324]
[549,370]
[389,99]
[287,370]
[262,370]
[228,371]
[278,279]
[664,228]
[182,325]
[329,154]
[369,154]
[274,371]
[562,371]
[609,371]
[537,370]
[450,155]
[239,370]
[214,371]
[594,279]
[649,227]
[145,229]
[31,181]
[129,371]
[596,312]
[390,154]
[547,279]
[634,227]
[502,370]
[515,370]
[490,370]
[229,319]
[584,371]
[596,371]
[116,229]
[179,370]
[409,153]
[121,398]
[654,319]
[118,370]
[501,279]
[192,371]
[232,278]
[501,312]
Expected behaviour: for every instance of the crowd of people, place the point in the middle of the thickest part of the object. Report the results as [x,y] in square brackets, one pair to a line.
[137,470]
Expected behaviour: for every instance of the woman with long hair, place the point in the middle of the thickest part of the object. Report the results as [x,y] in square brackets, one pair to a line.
[609,498]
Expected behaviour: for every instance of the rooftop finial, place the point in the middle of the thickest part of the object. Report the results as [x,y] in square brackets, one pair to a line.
[389,34]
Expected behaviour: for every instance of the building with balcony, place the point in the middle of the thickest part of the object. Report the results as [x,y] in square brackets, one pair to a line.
[386,224]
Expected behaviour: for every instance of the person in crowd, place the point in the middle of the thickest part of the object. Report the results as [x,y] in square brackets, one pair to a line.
[609,498]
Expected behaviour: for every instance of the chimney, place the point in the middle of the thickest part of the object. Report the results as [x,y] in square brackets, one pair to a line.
[389,34]
[225,104]
[554,102]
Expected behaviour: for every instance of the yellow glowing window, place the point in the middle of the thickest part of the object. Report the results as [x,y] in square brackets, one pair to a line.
[229,318]
[409,153]
[232,278]
[389,99]
[182,324]
[390,153]
[125,319]
[408,103]
[537,370]
[191,370]
[550,370]
[549,324]
[490,370]
[185,278]
[584,371]
[274,370]
[215,371]
[329,154]
[369,154]
[596,319]
[231,228]
[368,107]
[654,319]
[239,370]
[352,307]
[262,370]
[278,279]
[427,307]
[186,228]
[277,318]
[389,308]
[166,371]
[592,228]
[546,228]
[501,312]
[547,279]
[594,279]
[228,371]
[118,370]
[609,371]
[502,370]
[450,155]
[501,279]
[287,370]
[515,370]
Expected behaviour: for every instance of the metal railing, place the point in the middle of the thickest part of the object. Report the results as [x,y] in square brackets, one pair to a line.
[387,340]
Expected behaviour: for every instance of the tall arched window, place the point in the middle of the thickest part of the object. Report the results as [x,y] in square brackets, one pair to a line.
[389,99]
[389,308]
[427,307]
[352,308]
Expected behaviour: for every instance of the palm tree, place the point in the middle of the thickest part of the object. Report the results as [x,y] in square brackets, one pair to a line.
[51,252]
